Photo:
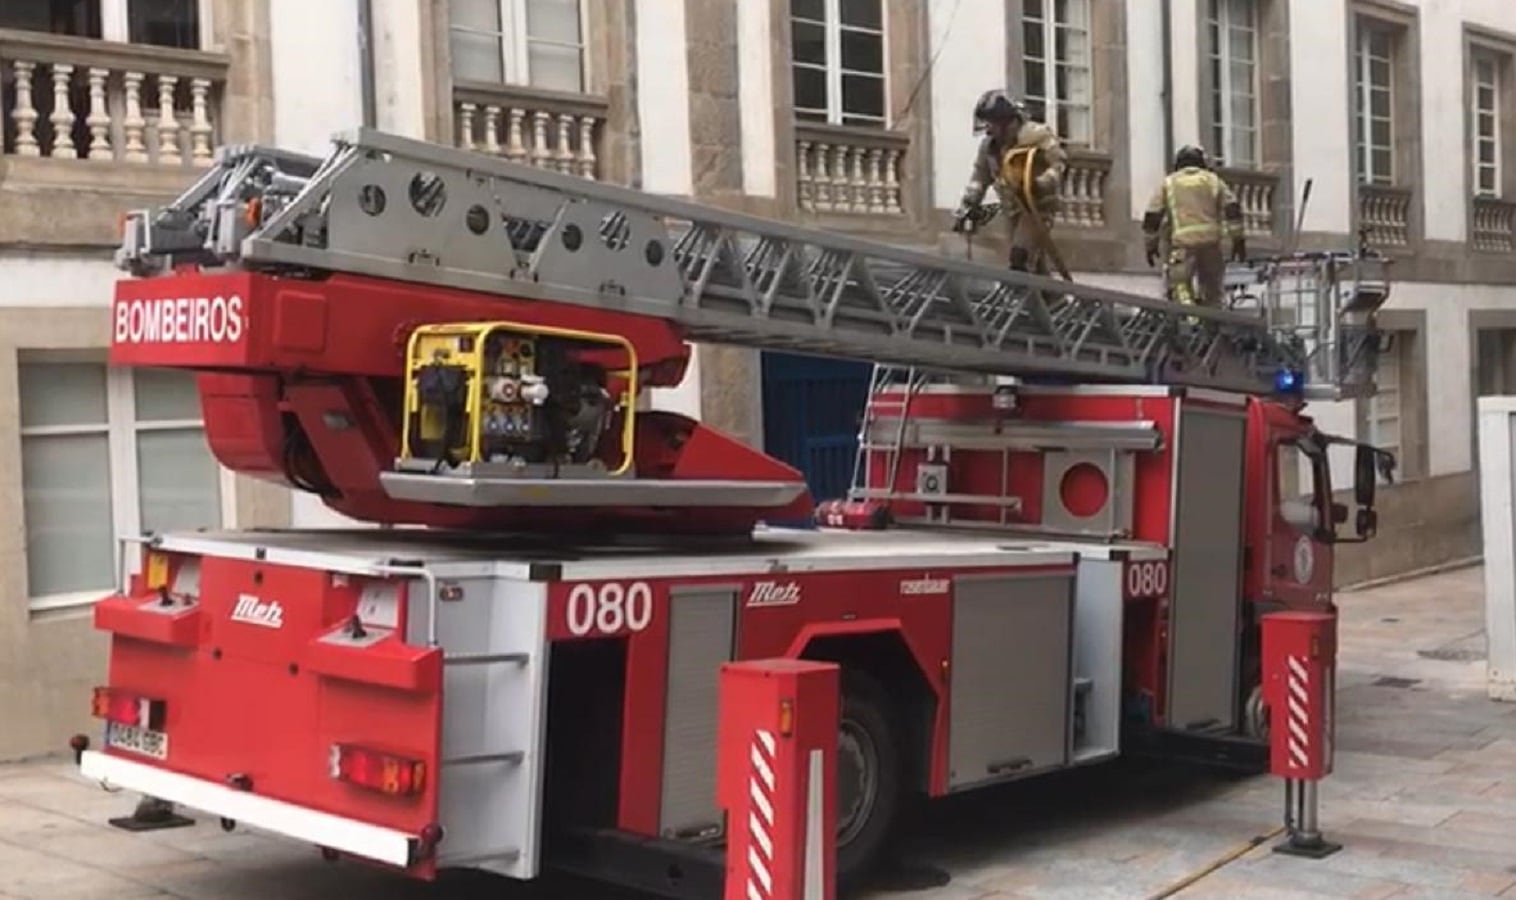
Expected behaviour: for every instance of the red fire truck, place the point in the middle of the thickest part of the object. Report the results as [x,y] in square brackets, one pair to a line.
[1071,507]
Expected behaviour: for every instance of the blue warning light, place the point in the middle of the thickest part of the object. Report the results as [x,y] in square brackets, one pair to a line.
[1288,381]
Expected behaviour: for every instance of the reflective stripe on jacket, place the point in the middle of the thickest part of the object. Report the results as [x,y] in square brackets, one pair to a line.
[1194,204]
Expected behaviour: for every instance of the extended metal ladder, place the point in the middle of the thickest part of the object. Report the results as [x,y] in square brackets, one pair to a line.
[391,207]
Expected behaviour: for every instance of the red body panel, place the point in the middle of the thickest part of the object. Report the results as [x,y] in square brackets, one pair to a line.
[322,360]
[1287,567]
[268,701]
[1299,665]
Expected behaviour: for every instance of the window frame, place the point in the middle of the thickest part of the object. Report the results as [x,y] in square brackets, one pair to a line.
[115,22]
[121,429]
[1220,27]
[1050,63]
[831,66]
[1497,62]
[1367,28]
[515,63]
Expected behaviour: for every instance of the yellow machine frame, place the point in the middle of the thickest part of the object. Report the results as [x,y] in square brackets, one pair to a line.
[431,344]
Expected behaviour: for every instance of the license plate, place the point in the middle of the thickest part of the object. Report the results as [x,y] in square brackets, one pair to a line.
[137,740]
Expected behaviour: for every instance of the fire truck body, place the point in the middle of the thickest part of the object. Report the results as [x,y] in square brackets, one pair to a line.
[576,685]
[1025,577]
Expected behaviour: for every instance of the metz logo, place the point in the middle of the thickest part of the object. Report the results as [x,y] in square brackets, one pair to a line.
[253,611]
[772,593]
[183,320]
[924,586]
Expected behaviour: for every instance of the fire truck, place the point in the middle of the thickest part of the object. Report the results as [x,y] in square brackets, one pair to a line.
[1071,506]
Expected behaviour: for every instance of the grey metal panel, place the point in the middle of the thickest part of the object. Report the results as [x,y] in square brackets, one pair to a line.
[1098,612]
[1207,568]
[1010,676]
[701,622]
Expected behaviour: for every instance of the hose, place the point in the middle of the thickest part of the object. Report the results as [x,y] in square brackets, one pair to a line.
[1220,861]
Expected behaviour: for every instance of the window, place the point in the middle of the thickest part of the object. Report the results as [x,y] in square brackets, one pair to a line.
[105,453]
[1486,125]
[837,58]
[1373,121]
[1382,424]
[164,23]
[1233,33]
[1056,61]
[535,42]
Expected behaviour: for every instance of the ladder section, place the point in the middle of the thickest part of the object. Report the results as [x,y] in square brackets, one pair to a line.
[390,207]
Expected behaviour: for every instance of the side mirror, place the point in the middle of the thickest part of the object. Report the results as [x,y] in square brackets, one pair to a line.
[1365,471]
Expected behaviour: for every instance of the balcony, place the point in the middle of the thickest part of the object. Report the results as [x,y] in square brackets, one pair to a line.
[1081,198]
[1254,191]
[848,170]
[1384,214]
[1494,225]
[547,129]
[89,101]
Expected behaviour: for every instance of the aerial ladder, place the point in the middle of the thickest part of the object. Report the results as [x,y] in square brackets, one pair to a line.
[415,213]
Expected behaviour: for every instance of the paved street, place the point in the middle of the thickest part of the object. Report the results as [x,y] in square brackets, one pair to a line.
[1424,798]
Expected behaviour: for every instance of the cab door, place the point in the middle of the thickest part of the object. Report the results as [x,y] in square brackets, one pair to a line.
[1297,564]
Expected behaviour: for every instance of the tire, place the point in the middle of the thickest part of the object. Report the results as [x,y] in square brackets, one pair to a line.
[870,776]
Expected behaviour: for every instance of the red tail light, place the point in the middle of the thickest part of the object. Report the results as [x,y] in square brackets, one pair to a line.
[126,708]
[383,772]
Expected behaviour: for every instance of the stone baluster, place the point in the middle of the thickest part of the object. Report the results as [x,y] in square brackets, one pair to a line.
[892,181]
[515,144]
[492,130]
[25,113]
[168,124]
[133,124]
[805,187]
[540,152]
[565,154]
[466,125]
[99,121]
[587,159]
[875,180]
[200,122]
[63,112]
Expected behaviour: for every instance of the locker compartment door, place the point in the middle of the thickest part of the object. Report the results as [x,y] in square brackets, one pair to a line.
[1207,571]
[1010,676]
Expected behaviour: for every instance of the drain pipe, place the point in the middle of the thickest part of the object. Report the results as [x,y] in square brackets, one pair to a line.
[366,62]
[1168,82]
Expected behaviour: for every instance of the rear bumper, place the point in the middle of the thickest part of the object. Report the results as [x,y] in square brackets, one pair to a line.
[322,829]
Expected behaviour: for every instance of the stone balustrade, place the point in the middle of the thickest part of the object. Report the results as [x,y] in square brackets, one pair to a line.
[849,170]
[1081,199]
[1255,192]
[548,129]
[80,99]
[1384,213]
[1494,225]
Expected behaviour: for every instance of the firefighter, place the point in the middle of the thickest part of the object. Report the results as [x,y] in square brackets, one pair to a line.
[1025,162]
[1191,209]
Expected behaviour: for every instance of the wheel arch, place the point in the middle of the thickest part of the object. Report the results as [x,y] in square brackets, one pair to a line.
[882,651]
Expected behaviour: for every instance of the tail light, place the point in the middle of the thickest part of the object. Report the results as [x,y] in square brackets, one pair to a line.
[126,708]
[377,771]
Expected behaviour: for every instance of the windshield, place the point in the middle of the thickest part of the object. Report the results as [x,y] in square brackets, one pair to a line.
[1299,483]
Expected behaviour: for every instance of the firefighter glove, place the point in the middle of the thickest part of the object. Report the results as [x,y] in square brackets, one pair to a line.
[1239,249]
[1152,254]
[962,217]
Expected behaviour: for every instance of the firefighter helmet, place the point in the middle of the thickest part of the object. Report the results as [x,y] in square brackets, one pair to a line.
[997,106]
[1191,155]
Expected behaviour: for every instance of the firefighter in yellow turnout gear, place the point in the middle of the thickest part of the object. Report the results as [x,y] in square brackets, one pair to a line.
[1025,161]
[1194,209]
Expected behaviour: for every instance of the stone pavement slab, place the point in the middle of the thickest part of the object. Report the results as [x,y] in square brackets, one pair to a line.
[1423,797]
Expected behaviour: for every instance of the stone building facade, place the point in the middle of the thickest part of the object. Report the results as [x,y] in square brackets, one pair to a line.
[851,115]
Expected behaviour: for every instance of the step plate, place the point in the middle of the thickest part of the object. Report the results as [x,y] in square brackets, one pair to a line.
[556,492]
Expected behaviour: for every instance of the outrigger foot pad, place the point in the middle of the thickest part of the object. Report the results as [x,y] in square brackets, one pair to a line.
[1310,847]
[151,814]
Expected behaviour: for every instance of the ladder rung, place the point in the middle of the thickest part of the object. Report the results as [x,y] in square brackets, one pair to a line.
[514,758]
[485,659]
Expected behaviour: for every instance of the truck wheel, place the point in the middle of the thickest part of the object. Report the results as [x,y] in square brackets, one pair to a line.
[869,775]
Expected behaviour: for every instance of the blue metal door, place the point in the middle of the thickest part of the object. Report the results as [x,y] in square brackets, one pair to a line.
[812,407]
